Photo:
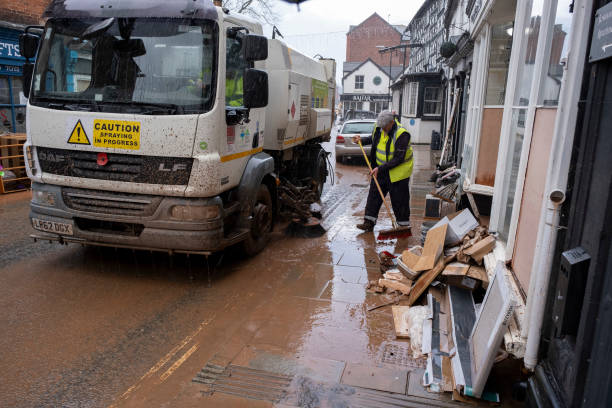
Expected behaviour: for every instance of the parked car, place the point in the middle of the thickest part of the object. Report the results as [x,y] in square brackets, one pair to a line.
[344,143]
[359,114]
[352,114]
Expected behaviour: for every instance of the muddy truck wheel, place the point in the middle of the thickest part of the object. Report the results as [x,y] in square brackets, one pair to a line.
[261,225]
[320,172]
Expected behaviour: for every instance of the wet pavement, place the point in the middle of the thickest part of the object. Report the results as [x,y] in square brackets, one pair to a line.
[103,327]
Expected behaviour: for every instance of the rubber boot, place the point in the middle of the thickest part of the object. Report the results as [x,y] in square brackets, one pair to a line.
[367,225]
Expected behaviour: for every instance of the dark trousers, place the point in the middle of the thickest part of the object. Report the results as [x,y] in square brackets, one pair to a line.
[400,199]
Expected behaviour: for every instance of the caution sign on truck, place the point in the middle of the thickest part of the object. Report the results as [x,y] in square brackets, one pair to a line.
[116,134]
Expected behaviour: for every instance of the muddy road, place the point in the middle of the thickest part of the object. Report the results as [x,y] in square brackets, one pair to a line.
[91,327]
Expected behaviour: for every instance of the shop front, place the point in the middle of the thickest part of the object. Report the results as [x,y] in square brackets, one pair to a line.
[372,102]
[12,100]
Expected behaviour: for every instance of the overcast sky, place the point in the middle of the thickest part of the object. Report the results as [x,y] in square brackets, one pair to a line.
[320,26]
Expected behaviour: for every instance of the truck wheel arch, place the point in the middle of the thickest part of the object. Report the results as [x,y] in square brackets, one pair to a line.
[259,169]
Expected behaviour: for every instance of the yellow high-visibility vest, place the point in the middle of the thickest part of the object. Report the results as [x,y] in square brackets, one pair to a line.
[234,92]
[404,170]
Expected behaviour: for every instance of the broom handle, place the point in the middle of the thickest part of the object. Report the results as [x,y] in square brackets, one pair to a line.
[365,156]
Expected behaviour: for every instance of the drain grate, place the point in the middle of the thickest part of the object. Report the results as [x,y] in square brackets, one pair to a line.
[244,382]
[360,185]
[400,355]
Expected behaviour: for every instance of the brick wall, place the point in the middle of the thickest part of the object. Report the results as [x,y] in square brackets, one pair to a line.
[361,42]
[23,11]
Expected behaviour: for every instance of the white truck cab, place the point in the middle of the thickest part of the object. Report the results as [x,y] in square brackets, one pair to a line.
[167,125]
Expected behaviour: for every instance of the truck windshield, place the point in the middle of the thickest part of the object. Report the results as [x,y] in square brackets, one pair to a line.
[147,66]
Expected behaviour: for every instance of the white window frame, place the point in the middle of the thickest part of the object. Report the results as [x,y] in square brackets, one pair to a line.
[411,99]
[541,65]
[438,101]
[478,86]
[362,82]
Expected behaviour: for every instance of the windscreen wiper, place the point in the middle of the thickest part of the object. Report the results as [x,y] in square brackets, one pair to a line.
[152,108]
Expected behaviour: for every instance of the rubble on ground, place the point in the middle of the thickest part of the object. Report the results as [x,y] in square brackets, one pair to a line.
[439,286]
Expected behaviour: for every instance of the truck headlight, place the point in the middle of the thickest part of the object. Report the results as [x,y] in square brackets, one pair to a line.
[195,212]
[43,198]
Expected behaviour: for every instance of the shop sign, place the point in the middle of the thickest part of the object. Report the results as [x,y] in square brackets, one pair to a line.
[9,49]
[601,43]
[10,69]
[365,98]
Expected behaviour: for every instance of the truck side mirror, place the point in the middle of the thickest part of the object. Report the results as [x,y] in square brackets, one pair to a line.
[255,88]
[28,45]
[255,47]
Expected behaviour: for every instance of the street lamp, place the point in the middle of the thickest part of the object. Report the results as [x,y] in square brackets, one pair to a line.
[382,49]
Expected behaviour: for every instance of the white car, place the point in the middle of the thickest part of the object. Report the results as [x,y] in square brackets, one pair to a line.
[344,143]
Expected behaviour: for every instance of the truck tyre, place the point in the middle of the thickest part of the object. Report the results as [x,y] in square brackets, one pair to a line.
[261,224]
[320,172]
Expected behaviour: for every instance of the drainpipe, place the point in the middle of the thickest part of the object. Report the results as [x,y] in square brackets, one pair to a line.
[556,181]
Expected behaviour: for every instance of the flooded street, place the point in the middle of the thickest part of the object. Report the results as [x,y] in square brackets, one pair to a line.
[99,327]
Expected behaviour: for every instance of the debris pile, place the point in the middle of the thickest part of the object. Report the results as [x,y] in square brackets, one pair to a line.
[439,285]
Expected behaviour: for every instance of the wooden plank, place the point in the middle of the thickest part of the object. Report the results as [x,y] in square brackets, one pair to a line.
[456,268]
[425,280]
[394,285]
[434,247]
[473,205]
[400,321]
[479,273]
[480,249]
[376,378]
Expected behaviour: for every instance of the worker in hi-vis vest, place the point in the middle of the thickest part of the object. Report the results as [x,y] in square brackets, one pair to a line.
[391,160]
[234,94]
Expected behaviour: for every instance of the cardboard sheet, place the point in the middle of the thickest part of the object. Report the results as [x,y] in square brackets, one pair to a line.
[459,224]
[400,321]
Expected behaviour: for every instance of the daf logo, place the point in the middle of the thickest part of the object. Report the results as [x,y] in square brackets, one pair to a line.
[175,167]
[51,157]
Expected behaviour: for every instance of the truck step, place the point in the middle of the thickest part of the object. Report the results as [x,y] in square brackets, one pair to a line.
[232,208]
[235,236]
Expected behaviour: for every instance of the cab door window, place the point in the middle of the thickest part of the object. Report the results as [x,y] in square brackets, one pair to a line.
[234,76]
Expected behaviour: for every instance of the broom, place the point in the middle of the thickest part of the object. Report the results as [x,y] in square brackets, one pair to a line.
[396,231]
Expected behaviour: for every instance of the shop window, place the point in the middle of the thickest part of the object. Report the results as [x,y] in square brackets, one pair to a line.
[358,81]
[512,170]
[12,108]
[411,90]
[432,101]
[499,61]
[558,55]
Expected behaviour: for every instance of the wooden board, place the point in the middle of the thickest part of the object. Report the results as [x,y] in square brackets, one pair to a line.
[480,249]
[424,281]
[489,146]
[395,285]
[434,247]
[376,378]
[400,321]
[456,268]
[479,273]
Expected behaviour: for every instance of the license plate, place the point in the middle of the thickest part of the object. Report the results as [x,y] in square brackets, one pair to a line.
[52,226]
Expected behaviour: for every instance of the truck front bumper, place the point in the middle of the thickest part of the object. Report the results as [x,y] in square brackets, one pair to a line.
[126,220]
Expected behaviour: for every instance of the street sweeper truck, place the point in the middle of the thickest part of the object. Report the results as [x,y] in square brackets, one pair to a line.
[169,125]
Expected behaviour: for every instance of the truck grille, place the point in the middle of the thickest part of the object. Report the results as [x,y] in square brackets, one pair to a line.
[119,167]
[104,202]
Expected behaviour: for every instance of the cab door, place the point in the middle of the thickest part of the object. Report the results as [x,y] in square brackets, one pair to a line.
[243,139]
